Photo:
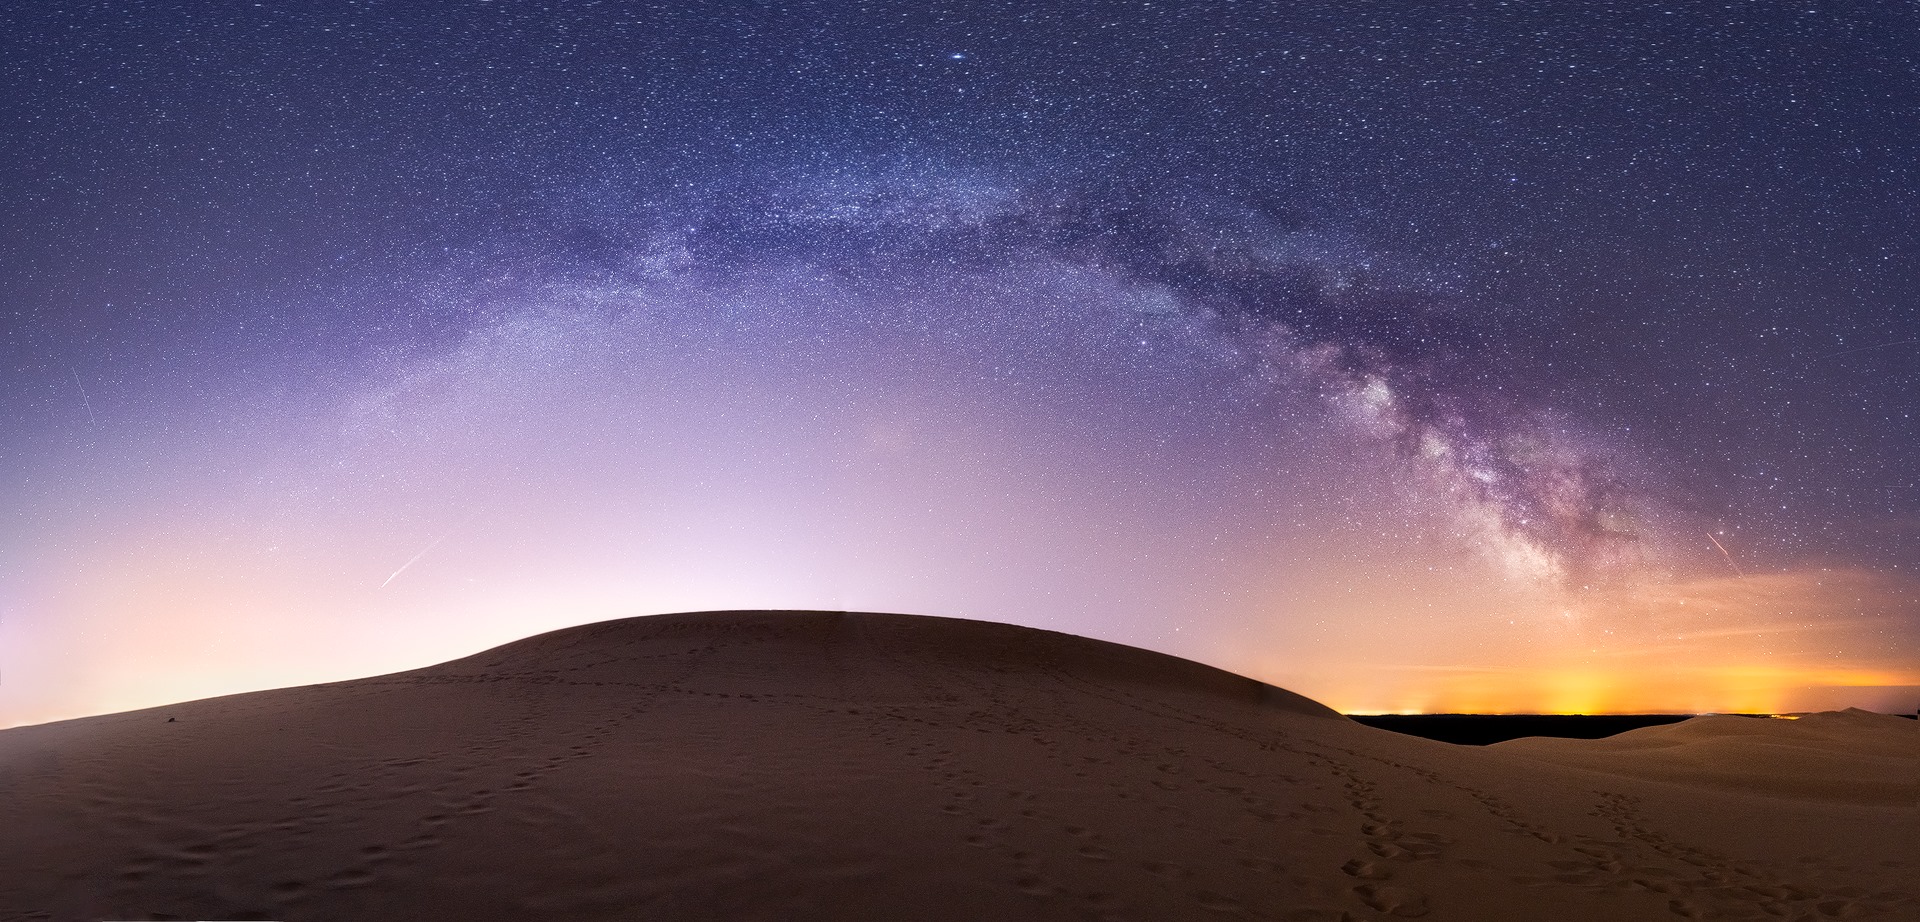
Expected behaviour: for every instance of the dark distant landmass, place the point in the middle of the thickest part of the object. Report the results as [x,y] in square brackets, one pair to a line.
[1482,729]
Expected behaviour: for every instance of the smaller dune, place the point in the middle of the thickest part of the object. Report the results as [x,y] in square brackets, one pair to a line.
[1850,756]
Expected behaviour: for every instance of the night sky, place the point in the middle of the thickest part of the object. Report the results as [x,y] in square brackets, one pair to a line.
[1477,356]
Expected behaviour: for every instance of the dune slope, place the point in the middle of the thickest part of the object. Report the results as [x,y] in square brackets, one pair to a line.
[758,765]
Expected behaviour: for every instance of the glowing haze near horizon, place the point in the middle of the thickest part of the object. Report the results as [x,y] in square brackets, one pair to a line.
[1477,358]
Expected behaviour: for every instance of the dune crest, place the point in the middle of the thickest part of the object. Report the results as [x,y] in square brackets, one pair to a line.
[779,765]
[858,654]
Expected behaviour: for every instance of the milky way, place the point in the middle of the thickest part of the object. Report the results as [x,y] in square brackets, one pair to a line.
[1485,359]
[1409,365]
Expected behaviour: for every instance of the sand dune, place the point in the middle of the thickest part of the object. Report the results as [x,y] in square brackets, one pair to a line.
[1850,756]
[825,765]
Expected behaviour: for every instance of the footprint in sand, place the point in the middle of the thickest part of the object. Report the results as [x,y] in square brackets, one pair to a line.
[1034,886]
[1685,909]
[1395,901]
[1166,869]
[1217,902]
[1390,851]
[358,876]
[1365,870]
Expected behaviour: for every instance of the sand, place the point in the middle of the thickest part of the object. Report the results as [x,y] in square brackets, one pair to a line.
[753,765]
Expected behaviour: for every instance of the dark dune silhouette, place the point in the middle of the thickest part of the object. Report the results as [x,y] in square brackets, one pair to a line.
[797,765]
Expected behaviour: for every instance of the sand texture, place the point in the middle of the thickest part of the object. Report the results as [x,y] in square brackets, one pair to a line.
[754,765]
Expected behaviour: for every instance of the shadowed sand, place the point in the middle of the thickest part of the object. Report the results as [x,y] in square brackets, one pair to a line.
[753,765]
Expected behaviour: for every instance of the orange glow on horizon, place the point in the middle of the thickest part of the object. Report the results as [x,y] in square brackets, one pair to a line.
[1701,690]
[1784,642]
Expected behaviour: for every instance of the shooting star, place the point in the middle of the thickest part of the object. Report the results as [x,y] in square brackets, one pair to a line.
[1723,552]
[1904,342]
[435,543]
[416,558]
[91,419]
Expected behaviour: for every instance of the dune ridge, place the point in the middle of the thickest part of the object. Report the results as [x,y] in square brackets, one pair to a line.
[779,765]
[856,653]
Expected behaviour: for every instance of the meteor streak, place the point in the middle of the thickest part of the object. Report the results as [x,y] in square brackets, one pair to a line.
[93,420]
[1723,553]
[1904,342]
[416,558]
[436,543]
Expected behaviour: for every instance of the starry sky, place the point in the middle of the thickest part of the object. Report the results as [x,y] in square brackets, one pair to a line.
[1484,356]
